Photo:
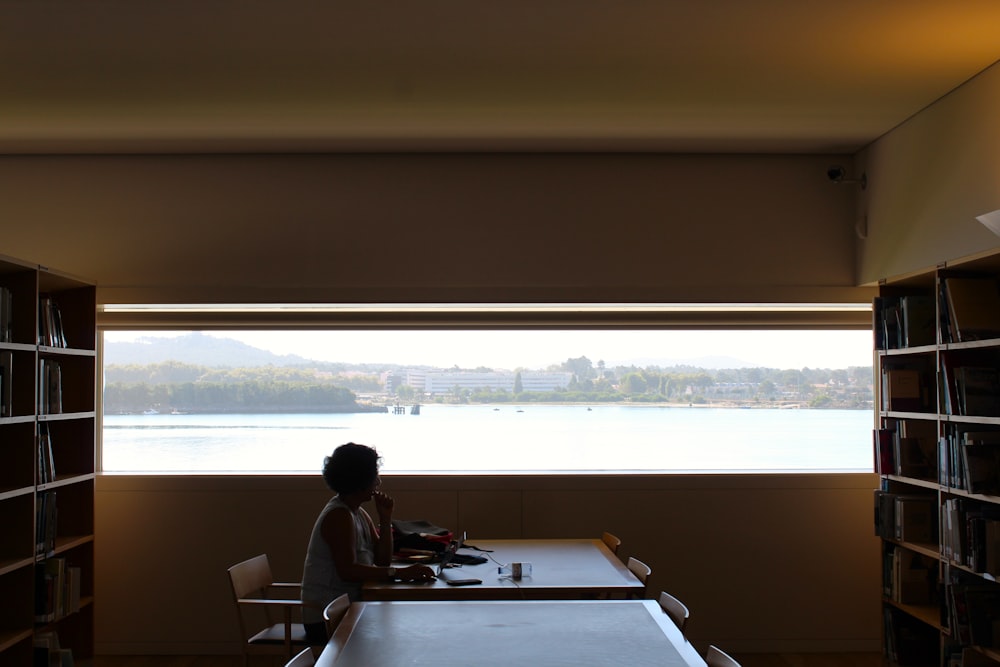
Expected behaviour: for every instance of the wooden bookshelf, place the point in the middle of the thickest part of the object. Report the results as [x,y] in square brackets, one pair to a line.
[937,452]
[47,455]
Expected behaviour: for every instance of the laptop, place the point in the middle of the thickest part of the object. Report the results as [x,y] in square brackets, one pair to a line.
[446,558]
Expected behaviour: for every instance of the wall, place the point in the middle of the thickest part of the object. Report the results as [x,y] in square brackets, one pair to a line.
[766,563]
[928,180]
[436,227]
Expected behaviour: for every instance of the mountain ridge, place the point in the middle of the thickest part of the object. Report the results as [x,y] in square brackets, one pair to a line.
[213,351]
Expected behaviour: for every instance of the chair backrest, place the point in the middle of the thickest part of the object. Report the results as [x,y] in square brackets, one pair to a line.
[715,657]
[611,541]
[251,577]
[335,611]
[638,568]
[641,572]
[675,609]
[303,659]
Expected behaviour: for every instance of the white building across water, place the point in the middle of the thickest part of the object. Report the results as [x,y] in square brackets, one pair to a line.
[442,382]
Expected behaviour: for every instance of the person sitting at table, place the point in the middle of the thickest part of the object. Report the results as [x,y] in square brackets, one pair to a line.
[345,548]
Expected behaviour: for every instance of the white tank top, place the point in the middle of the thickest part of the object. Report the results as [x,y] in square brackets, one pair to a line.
[320,582]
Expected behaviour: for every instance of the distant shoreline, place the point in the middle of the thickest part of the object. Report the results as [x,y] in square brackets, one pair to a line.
[379,409]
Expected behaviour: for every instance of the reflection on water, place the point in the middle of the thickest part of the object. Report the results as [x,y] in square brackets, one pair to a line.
[516,438]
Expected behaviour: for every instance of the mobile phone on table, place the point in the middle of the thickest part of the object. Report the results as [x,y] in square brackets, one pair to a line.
[463,582]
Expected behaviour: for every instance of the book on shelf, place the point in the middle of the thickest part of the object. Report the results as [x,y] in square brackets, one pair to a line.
[6,383]
[973,307]
[913,577]
[6,315]
[978,390]
[50,328]
[903,390]
[48,652]
[884,441]
[980,452]
[45,523]
[57,589]
[46,460]
[905,517]
[919,323]
[965,656]
[954,529]
[975,607]
[914,518]
[884,521]
[915,449]
[970,534]
[49,386]
[904,321]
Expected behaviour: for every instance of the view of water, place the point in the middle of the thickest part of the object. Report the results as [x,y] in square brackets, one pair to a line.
[496,438]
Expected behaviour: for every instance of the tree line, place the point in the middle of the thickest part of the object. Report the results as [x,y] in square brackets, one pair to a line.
[188,388]
[175,386]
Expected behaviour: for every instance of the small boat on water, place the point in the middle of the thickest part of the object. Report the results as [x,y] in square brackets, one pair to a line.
[151,411]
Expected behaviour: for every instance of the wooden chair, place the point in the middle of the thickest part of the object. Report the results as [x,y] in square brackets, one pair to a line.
[335,611]
[715,657]
[641,571]
[266,623]
[675,609]
[611,541]
[304,659]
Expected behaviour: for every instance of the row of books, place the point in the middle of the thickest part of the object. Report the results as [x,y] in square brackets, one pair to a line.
[909,577]
[6,384]
[50,393]
[967,307]
[973,606]
[45,523]
[964,656]
[57,589]
[6,315]
[46,460]
[969,390]
[970,461]
[904,321]
[907,449]
[48,652]
[50,327]
[970,534]
[906,517]
[970,308]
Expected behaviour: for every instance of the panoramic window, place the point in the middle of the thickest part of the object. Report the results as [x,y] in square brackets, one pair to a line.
[488,401]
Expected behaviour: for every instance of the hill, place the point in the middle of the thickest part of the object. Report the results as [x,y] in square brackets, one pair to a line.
[195,348]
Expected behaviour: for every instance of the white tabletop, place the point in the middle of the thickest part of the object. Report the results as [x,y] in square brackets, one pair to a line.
[501,633]
[561,569]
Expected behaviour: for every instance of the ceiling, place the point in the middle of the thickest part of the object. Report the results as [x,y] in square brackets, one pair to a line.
[798,76]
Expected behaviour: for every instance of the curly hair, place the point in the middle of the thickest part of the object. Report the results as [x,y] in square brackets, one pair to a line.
[351,468]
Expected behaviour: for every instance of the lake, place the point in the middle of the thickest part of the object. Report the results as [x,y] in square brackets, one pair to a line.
[500,438]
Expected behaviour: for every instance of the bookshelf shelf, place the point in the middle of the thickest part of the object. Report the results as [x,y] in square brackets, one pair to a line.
[937,453]
[928,614]
[47,459]
[16,564]
[9,639]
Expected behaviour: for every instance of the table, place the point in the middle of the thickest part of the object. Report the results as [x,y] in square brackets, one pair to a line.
[561,570]
[501,633]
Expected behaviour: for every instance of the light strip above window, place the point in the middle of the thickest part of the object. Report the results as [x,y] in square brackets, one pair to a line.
[520,315]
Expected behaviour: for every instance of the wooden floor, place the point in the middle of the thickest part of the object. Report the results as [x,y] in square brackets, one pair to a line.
[746,660]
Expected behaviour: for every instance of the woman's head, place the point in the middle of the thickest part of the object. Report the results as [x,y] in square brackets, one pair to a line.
[351,468]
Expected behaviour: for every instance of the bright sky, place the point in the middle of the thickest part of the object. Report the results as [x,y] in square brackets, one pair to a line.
[539,349]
